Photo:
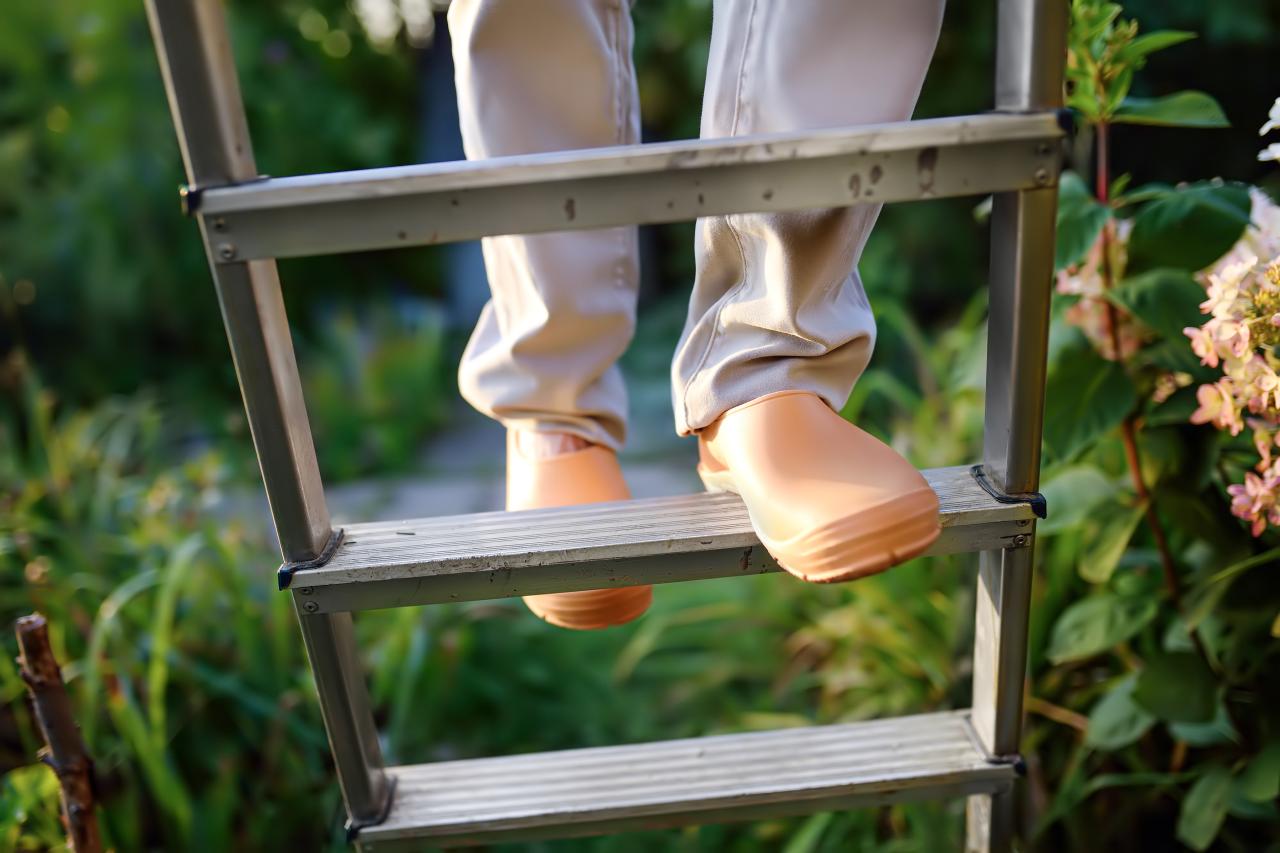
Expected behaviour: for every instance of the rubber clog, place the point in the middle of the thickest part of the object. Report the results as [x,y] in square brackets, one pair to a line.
[829,501]
[584,476]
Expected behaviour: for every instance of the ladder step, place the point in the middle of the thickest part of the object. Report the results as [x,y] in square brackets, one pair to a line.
[663,182]
[660,540]
[692,781]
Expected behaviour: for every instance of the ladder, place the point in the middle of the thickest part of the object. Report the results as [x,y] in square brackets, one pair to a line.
[248,220]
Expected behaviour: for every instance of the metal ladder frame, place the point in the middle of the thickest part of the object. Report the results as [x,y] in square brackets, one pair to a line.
[204,98]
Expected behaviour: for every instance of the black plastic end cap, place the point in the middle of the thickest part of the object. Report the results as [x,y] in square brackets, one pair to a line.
[1067,120]
[284,574]
[1037,501]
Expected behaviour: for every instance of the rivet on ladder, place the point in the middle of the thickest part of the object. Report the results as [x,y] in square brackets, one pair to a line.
[311,607]
[226,251]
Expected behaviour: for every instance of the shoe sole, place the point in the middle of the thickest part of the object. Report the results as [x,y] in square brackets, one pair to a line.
[591,609]
[856,546]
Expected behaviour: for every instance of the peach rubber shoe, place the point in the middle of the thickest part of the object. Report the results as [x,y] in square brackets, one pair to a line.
[590,475]
[829,501]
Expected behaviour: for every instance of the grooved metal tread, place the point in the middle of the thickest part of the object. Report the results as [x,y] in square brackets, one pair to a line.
[698,780]
[660,540]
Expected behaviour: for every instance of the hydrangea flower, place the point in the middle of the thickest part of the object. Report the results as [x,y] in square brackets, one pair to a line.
[1240,336]
[1092,313]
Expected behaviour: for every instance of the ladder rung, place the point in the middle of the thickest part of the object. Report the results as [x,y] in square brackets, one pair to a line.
[693,781]
[658,540]
[664,182]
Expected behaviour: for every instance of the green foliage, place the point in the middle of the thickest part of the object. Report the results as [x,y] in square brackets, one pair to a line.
[1184,109]
[1080,219]
[183,666]
[89,172]
[1154,648]
[1086,398]
[1204,809]
[1166,300]
[26,820]
[1095,624]
[1117,720]
[375,385]
[1178,687]
[1104,55]
[1188,227]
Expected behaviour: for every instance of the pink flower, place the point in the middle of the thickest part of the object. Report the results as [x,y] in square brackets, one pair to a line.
[1254,501]
[1218,406]
[1202,345]
[1263,441]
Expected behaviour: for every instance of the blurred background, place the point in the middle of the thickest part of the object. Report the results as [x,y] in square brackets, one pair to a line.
[132,516]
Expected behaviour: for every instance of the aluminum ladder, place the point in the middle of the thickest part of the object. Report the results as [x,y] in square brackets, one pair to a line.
[248,220]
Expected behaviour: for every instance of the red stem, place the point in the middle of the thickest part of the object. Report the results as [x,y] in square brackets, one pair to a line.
[1128,430]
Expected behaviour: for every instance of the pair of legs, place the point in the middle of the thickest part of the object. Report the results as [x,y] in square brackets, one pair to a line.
[777,304]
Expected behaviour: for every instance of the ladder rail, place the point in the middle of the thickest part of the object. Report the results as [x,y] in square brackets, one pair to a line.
[208,114]
[200,80]
[1030,61]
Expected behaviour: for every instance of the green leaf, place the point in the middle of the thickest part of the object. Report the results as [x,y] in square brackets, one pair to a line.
[1080,219]
[1188,228]
[1174,355]
[1246,809]
[1073,494]
[1166,301]
[809,837]
[1260,781]
[1146,192]
[1178,687]
[1217,731]
[1086,397]
[1099,560]
[1209,592]
[1175,411]
[1117,721]
[1181,109]
[1096,624]
[1204,808]
[1148,43]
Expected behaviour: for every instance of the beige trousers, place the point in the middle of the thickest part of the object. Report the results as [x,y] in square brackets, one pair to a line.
[777,303]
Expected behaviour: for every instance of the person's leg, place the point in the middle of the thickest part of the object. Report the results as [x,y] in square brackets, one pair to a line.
[779,326]
[777,302]
[534,76]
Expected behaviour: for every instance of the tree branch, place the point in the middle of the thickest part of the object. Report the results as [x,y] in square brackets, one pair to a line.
[65,752]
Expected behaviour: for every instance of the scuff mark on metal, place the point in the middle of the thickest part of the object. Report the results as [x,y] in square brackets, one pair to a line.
[926,168]
[570,208]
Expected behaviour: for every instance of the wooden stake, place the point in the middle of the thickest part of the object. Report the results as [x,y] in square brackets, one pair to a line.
[65,751]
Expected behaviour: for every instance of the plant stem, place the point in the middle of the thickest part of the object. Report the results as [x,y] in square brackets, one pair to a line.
[1128,430]
[1129,436]
[1065,716]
